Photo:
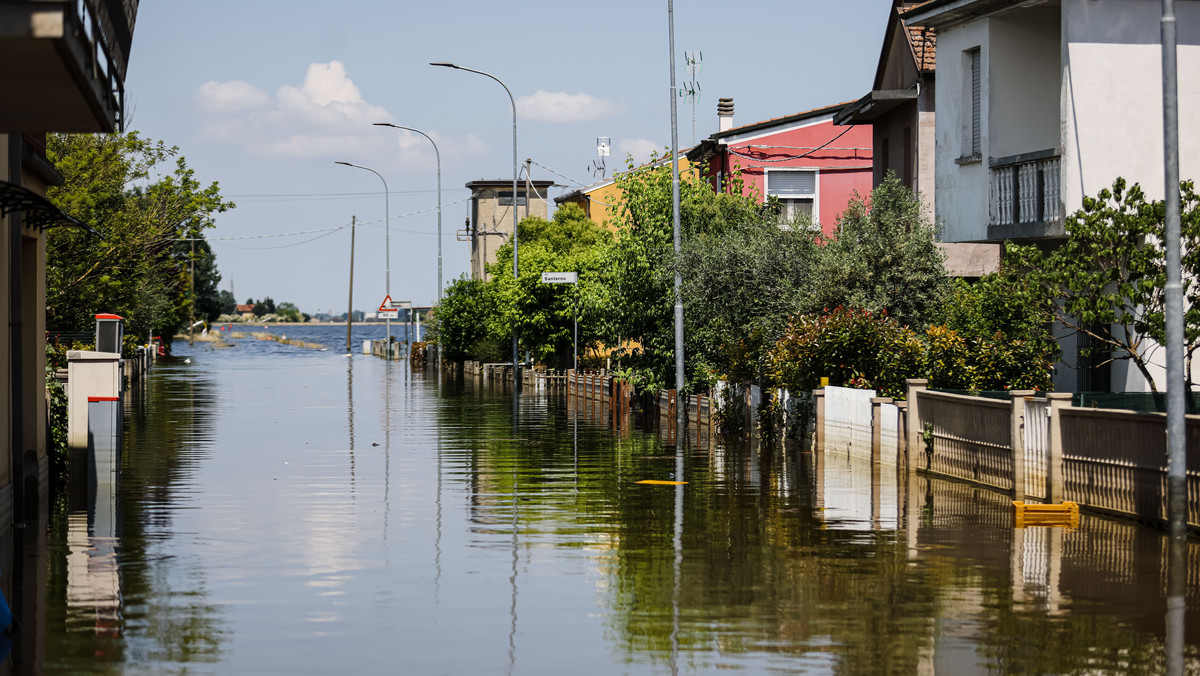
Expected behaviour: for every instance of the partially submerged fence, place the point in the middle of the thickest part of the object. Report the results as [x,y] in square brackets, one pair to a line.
[1105,460]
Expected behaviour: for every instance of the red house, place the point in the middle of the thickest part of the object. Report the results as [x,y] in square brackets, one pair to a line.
[810,164]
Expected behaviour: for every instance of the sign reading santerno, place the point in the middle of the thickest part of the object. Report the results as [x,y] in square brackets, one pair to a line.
[560,277]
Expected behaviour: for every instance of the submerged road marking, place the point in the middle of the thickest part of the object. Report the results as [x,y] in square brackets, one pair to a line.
[656,482]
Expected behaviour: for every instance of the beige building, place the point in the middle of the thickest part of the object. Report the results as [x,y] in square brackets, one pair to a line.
[65,70]
[491,222]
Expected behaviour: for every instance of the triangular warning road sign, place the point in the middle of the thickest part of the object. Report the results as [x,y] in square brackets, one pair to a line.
[386,304]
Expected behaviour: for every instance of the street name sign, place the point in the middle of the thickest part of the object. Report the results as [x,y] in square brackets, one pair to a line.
[560,277]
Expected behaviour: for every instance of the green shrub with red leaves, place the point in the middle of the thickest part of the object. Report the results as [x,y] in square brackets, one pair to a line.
[851,347]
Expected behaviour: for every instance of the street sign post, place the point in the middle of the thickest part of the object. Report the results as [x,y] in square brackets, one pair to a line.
[568,278]
[388,309]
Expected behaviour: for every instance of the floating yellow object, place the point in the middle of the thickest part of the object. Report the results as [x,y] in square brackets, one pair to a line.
[656,482]
[1030,515]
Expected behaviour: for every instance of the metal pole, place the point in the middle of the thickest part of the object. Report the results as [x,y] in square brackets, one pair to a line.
[516,276]
[575,339]
[191,297]
[387,246]
[438,156]
[679,386]
[350,301]
[1176,396]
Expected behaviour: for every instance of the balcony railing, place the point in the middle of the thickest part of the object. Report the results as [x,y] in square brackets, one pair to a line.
[1026,191]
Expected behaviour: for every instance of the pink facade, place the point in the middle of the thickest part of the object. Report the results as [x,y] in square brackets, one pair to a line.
[810,164]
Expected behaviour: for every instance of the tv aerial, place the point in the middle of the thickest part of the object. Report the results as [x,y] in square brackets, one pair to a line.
[690,90]
[603,146]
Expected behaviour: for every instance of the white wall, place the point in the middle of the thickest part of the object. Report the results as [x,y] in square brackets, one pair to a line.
[1023,82]
[1112,95]
[961,199]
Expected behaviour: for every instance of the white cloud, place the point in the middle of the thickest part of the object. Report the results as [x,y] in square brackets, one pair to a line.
[640,148]
[231,97]
[325,117]
[546,106]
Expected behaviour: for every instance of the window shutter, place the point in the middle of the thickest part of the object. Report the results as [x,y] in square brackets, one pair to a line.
[792,183]
[976,103]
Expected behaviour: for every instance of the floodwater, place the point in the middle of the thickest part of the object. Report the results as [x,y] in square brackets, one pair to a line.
[287,510]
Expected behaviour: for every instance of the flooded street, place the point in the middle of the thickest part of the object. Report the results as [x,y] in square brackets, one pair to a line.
[287,510]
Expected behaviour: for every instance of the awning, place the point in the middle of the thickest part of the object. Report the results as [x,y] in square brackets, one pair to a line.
[35,209]
[870,107]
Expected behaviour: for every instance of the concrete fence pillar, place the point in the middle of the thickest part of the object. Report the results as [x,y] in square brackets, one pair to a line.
[1054,464]
[1017,440]
[901,429]
[916,441]
[877,428]
[819,424]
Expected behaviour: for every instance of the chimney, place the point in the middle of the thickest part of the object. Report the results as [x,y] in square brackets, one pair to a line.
[725,114]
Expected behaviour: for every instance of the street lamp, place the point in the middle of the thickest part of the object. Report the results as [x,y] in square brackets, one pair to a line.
[387,247]
[438,155]
[516,363]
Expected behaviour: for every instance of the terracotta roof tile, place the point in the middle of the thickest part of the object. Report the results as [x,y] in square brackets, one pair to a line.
[922,39]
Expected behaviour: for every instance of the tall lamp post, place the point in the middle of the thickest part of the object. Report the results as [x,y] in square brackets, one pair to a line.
[387,246]
[516,362]
[438,155]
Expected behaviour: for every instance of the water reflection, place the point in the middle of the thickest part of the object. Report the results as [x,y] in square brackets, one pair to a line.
[461,542]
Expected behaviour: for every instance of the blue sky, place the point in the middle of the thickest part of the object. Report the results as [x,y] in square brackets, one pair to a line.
[263,97]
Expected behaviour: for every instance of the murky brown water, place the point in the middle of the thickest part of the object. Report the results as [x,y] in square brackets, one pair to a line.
[292,511]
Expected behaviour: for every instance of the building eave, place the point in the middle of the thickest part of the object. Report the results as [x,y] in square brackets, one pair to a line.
[943,13]
[874,104]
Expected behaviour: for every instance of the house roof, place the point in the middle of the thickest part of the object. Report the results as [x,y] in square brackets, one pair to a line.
[924,45]
[780,121]
[245,308]
[939,13]
[506,183]
[578,193]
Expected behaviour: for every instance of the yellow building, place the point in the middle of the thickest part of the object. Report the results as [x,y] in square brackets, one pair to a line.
[598,199]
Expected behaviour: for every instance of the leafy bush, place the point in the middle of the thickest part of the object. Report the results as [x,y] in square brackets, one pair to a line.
[851,347]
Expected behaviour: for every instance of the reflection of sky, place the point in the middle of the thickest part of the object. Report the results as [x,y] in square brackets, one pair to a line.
[306,567]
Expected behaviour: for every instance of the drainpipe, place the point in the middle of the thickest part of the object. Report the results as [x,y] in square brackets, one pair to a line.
[16,379]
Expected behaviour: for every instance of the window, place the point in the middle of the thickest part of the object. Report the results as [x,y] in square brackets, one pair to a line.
[796,190]
[973,106]
[505,198]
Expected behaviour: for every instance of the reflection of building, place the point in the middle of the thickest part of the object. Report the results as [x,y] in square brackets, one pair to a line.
[491,221]
[64,72]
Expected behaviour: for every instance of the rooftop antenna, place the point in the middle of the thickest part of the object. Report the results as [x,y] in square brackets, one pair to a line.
[603,146]
[690,90]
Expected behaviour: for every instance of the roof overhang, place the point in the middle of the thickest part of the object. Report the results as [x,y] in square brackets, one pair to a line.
[942,13]
[873,105]
[35,210]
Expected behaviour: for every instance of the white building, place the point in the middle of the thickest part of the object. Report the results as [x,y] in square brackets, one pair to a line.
[1041,102]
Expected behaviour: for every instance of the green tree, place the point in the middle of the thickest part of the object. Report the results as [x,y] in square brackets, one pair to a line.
[637,301]
[740,287]
[143,199]
[459,324]
[290,312]
[228,302]
[544,314]
[883,256]
[1109,276]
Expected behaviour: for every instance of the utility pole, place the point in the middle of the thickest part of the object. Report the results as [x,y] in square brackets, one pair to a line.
[350,302]
[1176,380]
[679,381]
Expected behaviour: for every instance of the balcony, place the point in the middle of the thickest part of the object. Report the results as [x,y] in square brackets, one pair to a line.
[1026,201]
[62,64]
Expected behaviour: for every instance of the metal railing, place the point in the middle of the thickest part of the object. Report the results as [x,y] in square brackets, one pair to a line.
[1026,188]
